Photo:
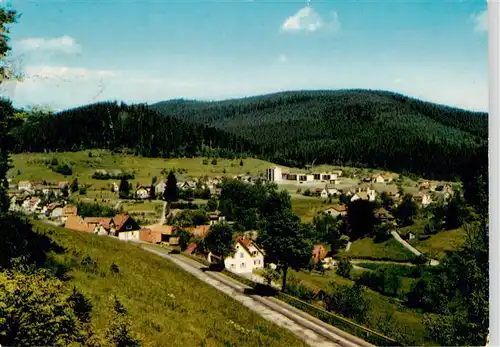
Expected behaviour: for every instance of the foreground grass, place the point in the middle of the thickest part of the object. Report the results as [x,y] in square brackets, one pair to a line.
[365,248]
[440,244]
[167,306]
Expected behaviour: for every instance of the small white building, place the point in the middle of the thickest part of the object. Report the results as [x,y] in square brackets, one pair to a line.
[114,187]
[372,194]
[24,186]
[142,193]
[247,257]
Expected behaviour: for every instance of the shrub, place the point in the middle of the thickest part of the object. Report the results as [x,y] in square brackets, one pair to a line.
[344,268]
[349,301]
[32,301]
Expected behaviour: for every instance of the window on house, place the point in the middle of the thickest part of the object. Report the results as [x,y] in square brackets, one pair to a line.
[242,265]
[128,227]
[241,255]
[232,266]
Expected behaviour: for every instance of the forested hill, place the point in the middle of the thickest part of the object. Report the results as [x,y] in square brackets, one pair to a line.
[118,126]
[351,127]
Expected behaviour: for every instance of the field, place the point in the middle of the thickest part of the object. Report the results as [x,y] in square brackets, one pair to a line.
[31,167]
[439,244]
[365,248]
[162,304]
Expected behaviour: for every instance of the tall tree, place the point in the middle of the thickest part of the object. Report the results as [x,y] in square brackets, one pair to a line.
[219,240]
[406,210]
[361,218]
[124,188]
[152,189]
[74,186]
[285,239]
[7,120]
[171,191]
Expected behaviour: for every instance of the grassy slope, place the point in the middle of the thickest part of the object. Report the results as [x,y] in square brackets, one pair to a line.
[145,168]
[441,243]
[387,250]
[167,306]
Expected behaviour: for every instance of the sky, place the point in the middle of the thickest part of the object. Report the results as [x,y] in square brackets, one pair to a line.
[76,52]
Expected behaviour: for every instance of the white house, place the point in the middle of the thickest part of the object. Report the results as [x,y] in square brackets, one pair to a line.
[247,257]
[142,193]
[129,235]
[114,187]
[160,187]
[57,212]
[371,194]
[24,185]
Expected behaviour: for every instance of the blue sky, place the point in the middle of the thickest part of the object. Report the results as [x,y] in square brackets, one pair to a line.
[77,52]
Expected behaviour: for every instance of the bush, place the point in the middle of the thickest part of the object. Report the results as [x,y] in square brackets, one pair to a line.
[382,281]
[63,170]
[349,301]
[296,288]
[344,268]
[32,301]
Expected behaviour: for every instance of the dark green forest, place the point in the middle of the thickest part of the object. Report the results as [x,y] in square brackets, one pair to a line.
[109,125]
[348,127]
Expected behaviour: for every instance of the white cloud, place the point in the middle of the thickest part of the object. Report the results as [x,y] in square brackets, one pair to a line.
[63,44]
[480,21]
[282,59]
[306,19]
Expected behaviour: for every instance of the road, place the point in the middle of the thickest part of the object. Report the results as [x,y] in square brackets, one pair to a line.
[412,249]
[313,331]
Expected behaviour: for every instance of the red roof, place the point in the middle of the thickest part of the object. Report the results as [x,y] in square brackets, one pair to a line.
[191,248]
[119,220]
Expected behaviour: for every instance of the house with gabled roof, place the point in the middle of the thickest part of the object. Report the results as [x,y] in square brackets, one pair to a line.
[142,192]
[247,257]
[336,210]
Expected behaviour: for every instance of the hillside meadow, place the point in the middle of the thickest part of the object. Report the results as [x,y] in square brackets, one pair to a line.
[32,166]
[166,305]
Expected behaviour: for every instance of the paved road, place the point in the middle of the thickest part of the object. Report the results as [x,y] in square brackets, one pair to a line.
[315,332]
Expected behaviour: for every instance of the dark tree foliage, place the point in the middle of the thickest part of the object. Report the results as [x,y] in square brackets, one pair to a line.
[219,240]
[20,244]
[361,218]
[406,210]
[348,127]
[124,188]
[171,193]
[118,126]
[457,293]
[95,210]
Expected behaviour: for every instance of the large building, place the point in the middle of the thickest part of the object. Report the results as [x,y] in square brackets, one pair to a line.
[274,174]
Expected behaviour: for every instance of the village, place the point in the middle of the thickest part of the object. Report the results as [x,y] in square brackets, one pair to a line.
[51,202]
